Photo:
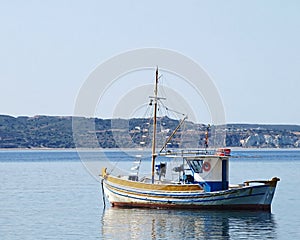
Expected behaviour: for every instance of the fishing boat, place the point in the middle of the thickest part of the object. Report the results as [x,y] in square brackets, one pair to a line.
[202,183]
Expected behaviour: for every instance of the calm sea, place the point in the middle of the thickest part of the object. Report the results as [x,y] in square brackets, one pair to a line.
[51,195]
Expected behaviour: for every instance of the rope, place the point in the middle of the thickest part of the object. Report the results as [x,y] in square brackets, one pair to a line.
[103,197]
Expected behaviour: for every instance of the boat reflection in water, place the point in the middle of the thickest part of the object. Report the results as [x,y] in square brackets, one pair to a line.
[186,224]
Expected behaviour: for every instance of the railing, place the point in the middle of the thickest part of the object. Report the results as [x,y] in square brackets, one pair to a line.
[197,152]
[273,180]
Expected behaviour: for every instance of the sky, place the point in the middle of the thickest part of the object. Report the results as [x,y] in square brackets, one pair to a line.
[249,48]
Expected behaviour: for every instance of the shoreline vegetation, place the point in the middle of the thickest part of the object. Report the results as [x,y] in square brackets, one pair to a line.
[56,133]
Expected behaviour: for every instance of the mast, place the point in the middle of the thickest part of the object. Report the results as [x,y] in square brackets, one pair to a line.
[154,126]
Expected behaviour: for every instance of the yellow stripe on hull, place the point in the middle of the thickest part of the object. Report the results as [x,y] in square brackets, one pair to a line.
[149,186]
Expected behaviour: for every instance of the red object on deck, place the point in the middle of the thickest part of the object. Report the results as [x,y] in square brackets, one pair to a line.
[223,152]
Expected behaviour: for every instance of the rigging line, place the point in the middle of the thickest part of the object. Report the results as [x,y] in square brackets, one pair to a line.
[163,110]
[146,125]
[142,125]
[147,112]
[114,166]
[171,110]
[148,122]
[162,89]
[171,114]
[183,114]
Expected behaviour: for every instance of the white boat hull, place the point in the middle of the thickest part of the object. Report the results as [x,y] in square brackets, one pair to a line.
[257,197]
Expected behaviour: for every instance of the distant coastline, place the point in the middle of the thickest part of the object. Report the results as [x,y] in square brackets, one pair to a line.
[233,149]
[55,133]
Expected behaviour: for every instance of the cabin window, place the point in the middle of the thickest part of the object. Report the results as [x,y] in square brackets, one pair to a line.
[196,165]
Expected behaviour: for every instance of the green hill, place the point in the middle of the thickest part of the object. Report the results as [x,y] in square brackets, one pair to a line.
[56,132]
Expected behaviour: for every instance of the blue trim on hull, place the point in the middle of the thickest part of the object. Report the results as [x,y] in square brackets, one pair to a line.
[214,186]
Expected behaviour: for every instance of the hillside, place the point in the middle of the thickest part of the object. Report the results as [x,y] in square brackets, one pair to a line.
[56,132]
